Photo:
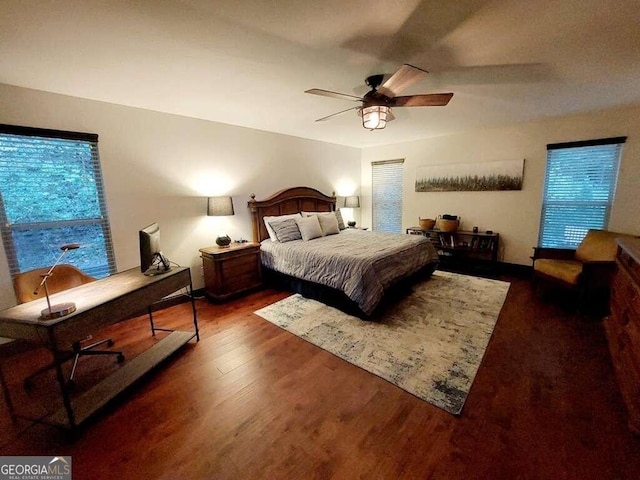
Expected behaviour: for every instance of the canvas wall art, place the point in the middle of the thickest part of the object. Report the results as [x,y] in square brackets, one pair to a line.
[482,176]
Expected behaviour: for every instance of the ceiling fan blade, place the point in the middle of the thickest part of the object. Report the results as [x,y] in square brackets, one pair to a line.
[428,100]
[405,76]
[335,114]
[327,93]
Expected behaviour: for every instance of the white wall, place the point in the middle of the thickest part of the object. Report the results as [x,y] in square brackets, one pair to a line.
[514,214]
[160,167]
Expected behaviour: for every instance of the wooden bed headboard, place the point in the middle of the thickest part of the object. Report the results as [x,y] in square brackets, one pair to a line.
[290,200]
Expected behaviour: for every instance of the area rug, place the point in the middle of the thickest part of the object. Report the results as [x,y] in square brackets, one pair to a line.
[429,343]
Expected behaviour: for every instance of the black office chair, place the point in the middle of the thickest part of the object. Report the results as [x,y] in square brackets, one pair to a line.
[63,278]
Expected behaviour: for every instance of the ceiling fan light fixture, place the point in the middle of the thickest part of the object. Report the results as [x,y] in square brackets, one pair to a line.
[377,103]
[374,117]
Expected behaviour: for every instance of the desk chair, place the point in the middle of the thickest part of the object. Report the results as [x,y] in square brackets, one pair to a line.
[587,270]
[64,277]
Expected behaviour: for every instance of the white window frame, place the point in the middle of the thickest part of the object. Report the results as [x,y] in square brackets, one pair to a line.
[579,190]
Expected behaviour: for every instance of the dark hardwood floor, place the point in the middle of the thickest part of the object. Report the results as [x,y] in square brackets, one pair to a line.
[252,401]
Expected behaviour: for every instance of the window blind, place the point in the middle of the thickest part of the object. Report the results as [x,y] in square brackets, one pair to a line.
[52,194]
[579,189]
[387,195]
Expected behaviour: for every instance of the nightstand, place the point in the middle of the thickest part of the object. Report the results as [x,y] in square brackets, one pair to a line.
[231,271]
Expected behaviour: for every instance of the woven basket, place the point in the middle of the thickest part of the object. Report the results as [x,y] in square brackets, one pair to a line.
[448,226]
[426,223]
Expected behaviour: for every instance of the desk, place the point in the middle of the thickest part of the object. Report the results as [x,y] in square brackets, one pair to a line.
[98,305]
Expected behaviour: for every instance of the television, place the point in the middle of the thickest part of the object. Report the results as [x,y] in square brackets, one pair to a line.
[152,261]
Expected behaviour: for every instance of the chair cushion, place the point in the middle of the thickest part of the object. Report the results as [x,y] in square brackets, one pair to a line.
[598,246]
[566,270]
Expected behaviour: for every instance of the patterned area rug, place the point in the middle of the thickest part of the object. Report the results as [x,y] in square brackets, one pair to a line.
[430,343]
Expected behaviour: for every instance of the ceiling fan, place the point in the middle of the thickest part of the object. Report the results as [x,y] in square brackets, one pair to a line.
[375,108]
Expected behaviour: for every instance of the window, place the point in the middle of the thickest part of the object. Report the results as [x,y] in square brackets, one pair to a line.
[579,189]
[51,194]
[387,196]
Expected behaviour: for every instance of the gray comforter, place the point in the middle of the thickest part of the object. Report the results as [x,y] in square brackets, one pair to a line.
[360,263]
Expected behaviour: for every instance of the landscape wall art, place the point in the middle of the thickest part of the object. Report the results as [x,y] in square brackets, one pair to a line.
[459,177]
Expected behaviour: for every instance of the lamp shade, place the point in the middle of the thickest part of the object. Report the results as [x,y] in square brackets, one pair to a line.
[352,202]
[220,206]
[374,117]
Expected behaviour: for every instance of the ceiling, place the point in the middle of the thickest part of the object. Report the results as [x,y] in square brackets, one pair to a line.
[248,62]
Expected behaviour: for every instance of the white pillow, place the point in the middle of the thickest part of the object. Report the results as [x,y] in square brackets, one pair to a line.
[328,224]
[309,227]
[272,234]
[337,214]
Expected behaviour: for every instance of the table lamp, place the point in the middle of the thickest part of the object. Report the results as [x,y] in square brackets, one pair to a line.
[218,207]
[352,202]
[60,309]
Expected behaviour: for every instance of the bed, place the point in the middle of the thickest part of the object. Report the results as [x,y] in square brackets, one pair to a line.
[351,269]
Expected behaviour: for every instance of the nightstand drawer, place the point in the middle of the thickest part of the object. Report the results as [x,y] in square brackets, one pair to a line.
[242,282]
[241,265]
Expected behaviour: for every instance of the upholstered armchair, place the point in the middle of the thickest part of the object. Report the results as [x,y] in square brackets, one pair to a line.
[587,270]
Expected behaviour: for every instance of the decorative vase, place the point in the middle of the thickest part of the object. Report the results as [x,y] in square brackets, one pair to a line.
[223,241]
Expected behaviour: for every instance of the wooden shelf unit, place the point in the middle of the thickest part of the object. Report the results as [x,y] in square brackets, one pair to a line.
[102,393]
[462,248]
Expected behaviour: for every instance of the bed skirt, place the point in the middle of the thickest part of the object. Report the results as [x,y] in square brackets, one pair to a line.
[337,298]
